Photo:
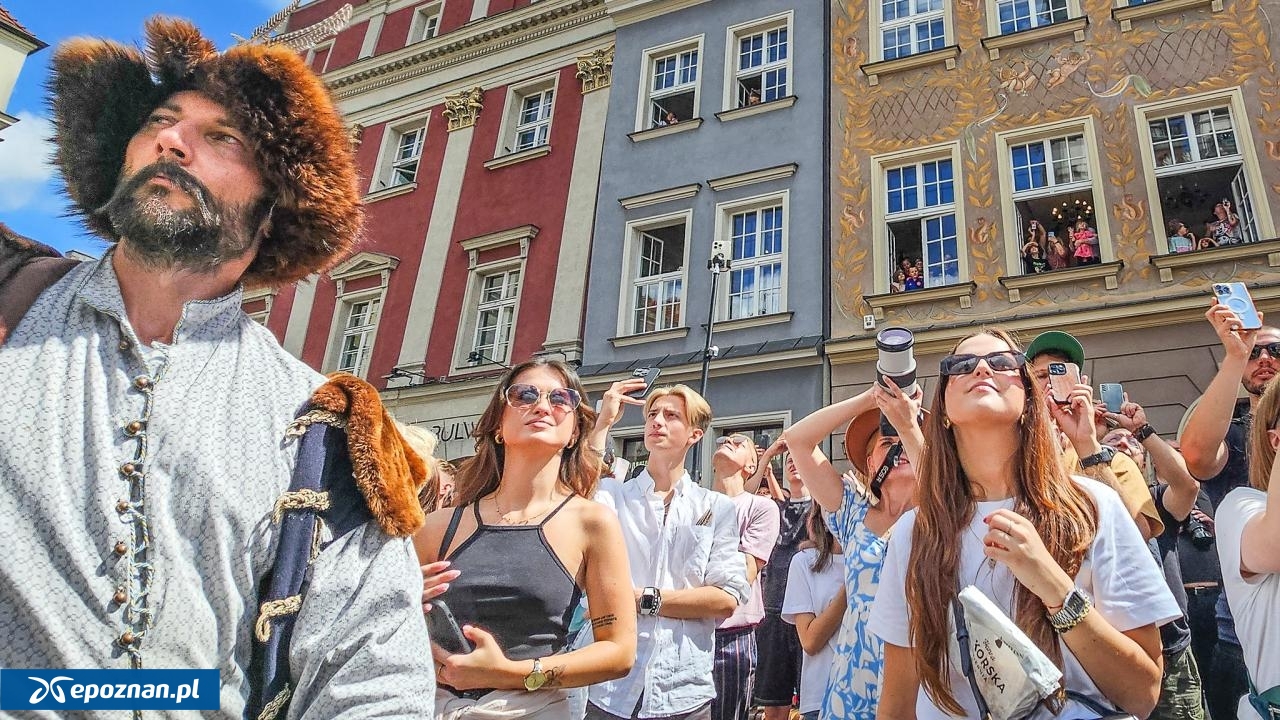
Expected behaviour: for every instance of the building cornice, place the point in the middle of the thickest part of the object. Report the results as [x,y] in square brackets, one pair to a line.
[627,12]
[466,44]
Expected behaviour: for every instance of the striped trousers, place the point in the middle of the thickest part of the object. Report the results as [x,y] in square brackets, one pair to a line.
[734,673]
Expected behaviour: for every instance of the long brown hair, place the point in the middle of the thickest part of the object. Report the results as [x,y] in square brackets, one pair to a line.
[1262,456]
[1063,514]
[820,535]
[580,465]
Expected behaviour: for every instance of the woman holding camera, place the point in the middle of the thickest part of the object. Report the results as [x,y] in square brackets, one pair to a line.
[524,544]
[1059,555]
[1248,534]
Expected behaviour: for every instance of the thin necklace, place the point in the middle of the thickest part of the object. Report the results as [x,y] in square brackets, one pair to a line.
[502,515]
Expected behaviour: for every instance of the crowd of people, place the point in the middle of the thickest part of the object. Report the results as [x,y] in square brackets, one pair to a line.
[183,493]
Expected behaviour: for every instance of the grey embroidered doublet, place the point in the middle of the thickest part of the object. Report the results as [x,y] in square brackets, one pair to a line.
[138,488]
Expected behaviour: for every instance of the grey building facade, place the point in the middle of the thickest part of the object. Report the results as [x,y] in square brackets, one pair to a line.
[714,145]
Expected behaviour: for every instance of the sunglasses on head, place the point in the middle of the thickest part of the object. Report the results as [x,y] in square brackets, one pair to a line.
[1273,349]
[522,395]
[737,440]
[965,364]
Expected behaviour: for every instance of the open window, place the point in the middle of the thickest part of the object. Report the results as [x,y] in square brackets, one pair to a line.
[656,275]
[761,58]
[671,89]
[920,225]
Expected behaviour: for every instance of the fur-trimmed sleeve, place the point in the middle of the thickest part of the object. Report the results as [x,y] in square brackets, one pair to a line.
[27,268]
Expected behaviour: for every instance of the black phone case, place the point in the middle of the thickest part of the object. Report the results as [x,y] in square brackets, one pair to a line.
[444,629]
[650,377]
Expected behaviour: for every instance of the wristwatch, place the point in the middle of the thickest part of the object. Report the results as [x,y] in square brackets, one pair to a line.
[536,678]
[1144,432]
[1102,457]
[1074,609]
[650,601]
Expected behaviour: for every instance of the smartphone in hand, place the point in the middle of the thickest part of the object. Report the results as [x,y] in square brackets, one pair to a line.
[1235,295]
[649,375]
[444,629]
[1112,395]
[1063,378]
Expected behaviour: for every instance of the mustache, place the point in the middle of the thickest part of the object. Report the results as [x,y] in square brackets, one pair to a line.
[176,174]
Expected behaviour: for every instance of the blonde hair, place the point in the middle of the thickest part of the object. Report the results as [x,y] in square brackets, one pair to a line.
[696,408]
[1262,456]
[423,442]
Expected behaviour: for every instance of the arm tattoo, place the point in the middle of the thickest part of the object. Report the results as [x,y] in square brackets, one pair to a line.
[603,621]
[555,676]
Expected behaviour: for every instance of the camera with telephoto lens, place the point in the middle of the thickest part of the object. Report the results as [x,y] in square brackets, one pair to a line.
[1201,535]
[897,361]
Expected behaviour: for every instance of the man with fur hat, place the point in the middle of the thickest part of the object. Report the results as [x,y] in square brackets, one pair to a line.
[147,454]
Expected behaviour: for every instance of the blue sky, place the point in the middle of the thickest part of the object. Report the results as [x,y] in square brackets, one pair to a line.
[30,196]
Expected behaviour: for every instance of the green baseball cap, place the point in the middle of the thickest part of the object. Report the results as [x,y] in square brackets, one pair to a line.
[1059,342]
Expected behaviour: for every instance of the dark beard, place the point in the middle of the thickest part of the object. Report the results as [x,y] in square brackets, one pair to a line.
[198,239]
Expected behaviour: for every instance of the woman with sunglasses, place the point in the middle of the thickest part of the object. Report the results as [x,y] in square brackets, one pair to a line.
[1248,532]
[512,561]
[1058,554]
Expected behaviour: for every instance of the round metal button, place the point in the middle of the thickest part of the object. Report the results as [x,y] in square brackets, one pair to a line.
[120,548]
[127,639]
[134,428]
[123,345]
[142,382]
[122,506]
[128,469]
[119,597]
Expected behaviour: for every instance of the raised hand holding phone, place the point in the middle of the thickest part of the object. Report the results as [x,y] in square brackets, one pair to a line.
[1235,296]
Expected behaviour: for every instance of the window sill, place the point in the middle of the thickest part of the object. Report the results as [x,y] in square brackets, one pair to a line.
[752,322]
[1109,272]
[960,292]
[651,133]
[640,339]
[390,192]
[517,157]
[749,110]
[942,56]
[1270,249]
[1074,27]
[1126,15]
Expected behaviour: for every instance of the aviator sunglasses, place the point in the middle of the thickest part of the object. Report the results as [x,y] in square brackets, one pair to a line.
[1003,360]
[737,440]
[1273,349]
[521,395]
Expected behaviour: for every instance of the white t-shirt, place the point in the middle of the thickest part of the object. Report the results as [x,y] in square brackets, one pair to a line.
[1255,602]
[1118,573]
[811,592]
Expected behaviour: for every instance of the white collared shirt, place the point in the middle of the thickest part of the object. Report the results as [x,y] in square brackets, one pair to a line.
[673,657]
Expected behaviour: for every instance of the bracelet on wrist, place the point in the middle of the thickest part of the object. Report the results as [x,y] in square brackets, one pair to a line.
[1144,432]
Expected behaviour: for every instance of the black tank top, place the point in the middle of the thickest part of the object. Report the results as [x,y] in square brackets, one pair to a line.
[513,585]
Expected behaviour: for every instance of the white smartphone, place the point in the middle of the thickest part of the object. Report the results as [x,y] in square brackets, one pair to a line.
[1235,295]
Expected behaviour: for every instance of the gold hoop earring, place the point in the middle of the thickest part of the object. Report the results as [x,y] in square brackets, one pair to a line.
[497,438]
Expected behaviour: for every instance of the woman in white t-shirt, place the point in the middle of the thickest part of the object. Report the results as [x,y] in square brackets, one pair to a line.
[1248,534]
[996,510]
[815,604]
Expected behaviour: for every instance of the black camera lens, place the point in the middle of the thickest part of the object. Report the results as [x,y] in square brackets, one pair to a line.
[1201,535]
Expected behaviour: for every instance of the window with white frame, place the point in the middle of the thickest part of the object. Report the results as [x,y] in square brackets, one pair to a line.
[657,281]
[426,23]
[908,27]
[318,57]
[756,237]
[920,223]
[763,64]
[672,86]
[495,314]
[533,127]
[1016,15]
[1053,201]
[402,152]
[359,324]
[1200,175]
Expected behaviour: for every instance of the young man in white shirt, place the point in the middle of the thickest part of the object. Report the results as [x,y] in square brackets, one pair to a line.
[682,542]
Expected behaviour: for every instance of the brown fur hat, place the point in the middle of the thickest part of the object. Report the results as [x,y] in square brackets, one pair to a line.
[102,91]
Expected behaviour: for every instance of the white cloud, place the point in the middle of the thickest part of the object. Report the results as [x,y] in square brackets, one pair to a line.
[24,165]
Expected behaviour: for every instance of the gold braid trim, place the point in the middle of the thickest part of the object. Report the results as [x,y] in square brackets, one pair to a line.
[299,426]
[272,609]
[277,704]
[304,499]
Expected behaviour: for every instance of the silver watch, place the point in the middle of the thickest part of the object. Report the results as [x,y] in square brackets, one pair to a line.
[1074,609]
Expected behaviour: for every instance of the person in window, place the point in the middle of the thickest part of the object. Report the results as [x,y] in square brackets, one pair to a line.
[1058,256]
[1085,240]
[1224,226]
[1180,238]
[1058,554]
[522,546]
[899,282]
[913,281]
[1205,243]
[753,97]
[1035,251]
